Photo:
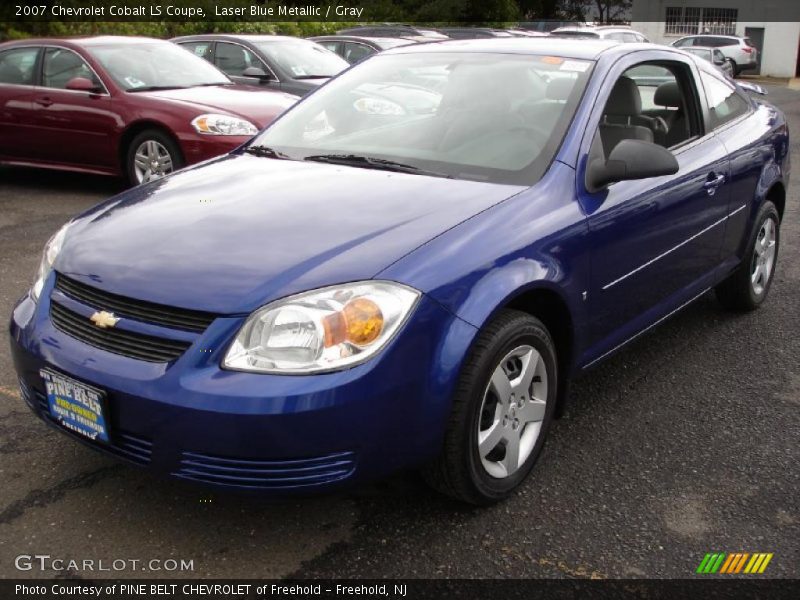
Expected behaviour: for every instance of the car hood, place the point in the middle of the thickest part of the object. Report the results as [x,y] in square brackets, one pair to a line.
[258,106]
[232,234]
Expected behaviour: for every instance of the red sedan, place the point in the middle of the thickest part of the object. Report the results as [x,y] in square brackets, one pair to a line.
[136,107]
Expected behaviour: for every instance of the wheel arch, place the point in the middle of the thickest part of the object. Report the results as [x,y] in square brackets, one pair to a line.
[549,306]
[135,129]
[544,300]
[776,194]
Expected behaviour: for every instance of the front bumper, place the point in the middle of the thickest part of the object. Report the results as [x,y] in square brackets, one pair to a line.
[279,434]
[197,147]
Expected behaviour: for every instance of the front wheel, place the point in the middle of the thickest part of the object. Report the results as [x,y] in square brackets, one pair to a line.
[502,409]
[152,155]
[748,287]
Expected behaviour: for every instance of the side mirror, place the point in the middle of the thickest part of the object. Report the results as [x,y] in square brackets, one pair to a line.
[82,84]
[256,73]
[752,87]
[630,159]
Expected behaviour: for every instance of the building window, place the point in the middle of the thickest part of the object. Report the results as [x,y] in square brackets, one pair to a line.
[684,20]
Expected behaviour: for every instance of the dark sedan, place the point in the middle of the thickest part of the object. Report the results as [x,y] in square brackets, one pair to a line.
[355,48]
[121,106]
[288,64]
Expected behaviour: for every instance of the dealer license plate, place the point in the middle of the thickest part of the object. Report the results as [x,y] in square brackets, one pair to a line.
[77,406]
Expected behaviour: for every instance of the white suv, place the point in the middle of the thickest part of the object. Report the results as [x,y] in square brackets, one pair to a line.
[739,51]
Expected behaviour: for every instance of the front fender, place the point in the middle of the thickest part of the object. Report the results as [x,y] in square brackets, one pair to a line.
[537,239]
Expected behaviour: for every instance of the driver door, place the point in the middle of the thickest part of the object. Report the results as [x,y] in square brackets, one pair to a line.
[656,242]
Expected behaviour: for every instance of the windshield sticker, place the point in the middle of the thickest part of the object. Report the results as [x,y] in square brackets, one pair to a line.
[574,65]
[133,82]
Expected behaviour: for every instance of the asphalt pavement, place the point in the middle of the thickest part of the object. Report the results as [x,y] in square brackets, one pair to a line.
[684,443]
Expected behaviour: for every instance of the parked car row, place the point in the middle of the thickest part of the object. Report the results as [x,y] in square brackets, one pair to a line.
[143,108]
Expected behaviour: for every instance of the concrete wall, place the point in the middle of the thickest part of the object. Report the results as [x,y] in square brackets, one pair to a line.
[781,38]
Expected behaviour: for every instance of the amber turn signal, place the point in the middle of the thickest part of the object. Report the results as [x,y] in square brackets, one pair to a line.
[360,322]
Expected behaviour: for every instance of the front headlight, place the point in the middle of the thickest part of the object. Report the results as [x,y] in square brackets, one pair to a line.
[213,124]
[51,250]
[322,330]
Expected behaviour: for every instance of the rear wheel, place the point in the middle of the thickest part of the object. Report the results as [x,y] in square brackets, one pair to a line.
[502,409]
[734,69]
[152,155]
[748,287]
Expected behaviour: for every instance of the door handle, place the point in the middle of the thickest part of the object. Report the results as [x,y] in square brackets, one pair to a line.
[712,184]
[44,101]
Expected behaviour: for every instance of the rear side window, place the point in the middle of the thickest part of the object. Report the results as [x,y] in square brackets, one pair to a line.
[17,66]
[354,53]
[719,42]
[332,46]
[201,49]
[725,103]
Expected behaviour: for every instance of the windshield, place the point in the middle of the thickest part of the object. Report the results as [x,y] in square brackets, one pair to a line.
[155,65]
[303,59]
[483,117]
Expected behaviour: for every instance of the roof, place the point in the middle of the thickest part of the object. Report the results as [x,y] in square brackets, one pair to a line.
[566,48]
[251,38]
[94,41]
[593,30]
[375,39]
[722,35]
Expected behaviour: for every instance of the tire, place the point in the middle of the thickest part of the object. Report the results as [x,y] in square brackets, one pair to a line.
[483,473]
[157,146]
[735,69]
[746,289]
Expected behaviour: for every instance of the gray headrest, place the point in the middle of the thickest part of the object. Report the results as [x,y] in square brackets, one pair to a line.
[559,89]
[668,94]
[625,100]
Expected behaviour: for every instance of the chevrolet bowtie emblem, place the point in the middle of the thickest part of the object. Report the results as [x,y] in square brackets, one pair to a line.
[104,319]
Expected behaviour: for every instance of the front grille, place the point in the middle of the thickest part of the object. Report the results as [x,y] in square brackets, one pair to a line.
[124,445]
[125,343]
[266,474]
[140,310]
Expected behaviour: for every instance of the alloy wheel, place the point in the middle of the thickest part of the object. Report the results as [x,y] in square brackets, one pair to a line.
[512,412]
[763,257]
[151,161]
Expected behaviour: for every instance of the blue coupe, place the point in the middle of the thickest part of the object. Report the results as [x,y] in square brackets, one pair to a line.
[406,269]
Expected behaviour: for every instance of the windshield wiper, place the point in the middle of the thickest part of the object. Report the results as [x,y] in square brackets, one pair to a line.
[152,88]
[313,77]
[210,84]
[368,162]
[266,152]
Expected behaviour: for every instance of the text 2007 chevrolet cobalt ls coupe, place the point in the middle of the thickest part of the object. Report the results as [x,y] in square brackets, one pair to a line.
[406,268]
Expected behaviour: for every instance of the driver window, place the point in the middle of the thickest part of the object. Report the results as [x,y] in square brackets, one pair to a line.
[61,65]
[233,59]
[652,102]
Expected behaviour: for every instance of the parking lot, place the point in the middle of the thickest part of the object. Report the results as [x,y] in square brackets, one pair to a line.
[684,443]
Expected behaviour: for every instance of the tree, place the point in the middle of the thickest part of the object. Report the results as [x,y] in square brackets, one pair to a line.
[598,10]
